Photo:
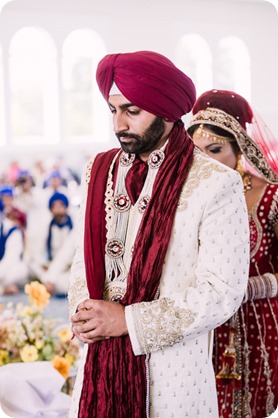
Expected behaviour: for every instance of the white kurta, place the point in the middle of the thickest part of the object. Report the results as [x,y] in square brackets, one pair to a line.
[13,269]
[56,271]
[203,282]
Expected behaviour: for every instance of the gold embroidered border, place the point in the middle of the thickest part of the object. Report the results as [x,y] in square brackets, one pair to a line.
[114,290]
[202,168]
[88,171]
[77,292]
[250,149]
[160,324]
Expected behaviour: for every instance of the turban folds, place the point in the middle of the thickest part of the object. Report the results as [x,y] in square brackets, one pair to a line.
[58,196]
[6,190]
[148,80]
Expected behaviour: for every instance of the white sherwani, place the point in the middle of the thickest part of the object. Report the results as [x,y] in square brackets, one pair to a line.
[203,282]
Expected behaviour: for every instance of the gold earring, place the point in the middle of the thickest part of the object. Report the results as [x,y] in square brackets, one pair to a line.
[240,167]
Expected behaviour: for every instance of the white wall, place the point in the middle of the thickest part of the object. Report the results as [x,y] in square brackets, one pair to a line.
[158,25]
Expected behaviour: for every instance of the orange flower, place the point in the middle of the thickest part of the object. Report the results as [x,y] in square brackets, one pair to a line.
[62,365]
[38,294]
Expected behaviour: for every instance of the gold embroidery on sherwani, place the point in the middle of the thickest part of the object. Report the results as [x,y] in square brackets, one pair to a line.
[114,290]
[88,171]
[160,324]
[77,292]
[202,168]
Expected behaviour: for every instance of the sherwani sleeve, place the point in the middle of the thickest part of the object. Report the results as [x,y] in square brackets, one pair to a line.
[216,284]
[78,290]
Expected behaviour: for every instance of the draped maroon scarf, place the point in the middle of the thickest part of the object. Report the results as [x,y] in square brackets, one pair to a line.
[114,384]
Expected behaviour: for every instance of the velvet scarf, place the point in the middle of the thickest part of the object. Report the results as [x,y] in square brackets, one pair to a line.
[114,384]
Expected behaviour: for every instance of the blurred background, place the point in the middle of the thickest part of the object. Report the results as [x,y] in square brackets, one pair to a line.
[51,113]
[53,118]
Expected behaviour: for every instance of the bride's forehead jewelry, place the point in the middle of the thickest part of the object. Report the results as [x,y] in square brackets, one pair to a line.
[202,133]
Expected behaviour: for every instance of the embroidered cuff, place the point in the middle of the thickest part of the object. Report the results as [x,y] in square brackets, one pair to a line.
[77,293]
[157,324]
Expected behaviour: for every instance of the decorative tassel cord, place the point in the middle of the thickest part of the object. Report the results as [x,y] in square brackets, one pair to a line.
[246,408]
[148,386]
[267,372]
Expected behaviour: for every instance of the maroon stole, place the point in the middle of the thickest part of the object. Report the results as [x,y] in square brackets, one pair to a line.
[114,384]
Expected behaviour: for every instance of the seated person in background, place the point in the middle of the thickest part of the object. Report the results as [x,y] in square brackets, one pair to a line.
[54,183]
[49,254]
[31,200]
[13,269]
[57,275]
[10,207]
[28,197]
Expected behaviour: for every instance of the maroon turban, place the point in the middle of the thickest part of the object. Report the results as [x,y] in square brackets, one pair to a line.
[148,80]
[231,103]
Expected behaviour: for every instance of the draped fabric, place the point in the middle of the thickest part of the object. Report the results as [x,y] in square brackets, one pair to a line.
[265,139]
[114,384]
[230,102]
[232,113]
[257,329]
[135,179]
[150,81]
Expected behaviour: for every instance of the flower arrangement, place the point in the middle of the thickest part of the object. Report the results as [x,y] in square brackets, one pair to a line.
[27,335]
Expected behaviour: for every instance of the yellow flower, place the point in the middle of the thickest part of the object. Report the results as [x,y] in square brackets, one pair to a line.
[70,358]
[39,344]
[65,334]
[62,365]
[26,311]
[29,353]
[38,294]
[4,356]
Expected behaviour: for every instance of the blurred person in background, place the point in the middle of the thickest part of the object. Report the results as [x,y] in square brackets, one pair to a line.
[29,198]
[49,254]
[54,183]
[13,269]
[7,194]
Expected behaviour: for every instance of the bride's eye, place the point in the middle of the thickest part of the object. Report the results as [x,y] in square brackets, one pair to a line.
[216,150]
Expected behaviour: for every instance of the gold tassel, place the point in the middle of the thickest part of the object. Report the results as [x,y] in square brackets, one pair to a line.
[228,370]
